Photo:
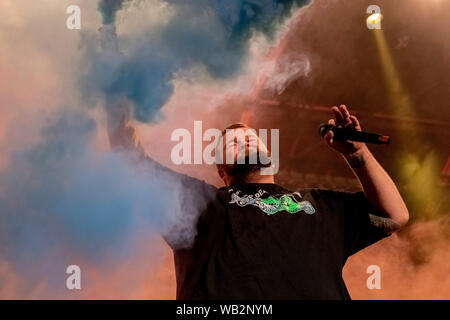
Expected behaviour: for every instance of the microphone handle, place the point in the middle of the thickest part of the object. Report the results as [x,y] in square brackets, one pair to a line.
[360,136]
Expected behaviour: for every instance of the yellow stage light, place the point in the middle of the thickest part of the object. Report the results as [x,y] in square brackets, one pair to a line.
[374,18]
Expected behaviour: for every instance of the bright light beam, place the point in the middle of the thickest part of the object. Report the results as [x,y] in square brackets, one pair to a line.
[420,174]
[398,96]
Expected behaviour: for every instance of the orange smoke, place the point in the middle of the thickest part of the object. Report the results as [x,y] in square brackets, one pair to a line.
[414,264]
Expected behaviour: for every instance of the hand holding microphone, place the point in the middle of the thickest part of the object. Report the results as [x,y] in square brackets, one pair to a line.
[344,134]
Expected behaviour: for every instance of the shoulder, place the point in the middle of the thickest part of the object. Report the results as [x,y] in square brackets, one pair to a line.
[336,199]
[331,194]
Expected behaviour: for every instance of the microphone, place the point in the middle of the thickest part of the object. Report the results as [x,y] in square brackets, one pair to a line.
[353,135]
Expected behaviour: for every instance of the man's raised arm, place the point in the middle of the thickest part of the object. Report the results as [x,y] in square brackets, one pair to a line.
[121,134]
[192,195]
[378,187]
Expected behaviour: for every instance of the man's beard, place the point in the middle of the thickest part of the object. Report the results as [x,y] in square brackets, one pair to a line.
[240,171]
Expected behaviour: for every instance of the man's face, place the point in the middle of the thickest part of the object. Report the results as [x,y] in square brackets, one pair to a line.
[243,149]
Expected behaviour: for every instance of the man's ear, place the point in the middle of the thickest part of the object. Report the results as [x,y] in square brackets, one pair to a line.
[223,176]
[221,173]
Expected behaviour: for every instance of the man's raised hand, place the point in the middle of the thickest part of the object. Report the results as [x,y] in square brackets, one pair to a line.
[343,119]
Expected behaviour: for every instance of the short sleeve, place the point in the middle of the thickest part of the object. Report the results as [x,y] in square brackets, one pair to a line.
[192,198]
[354,210]
[359,232]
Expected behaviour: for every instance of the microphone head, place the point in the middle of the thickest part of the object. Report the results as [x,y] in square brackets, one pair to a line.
[324,128]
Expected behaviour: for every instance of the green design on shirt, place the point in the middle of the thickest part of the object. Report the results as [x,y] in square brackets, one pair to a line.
[271,204]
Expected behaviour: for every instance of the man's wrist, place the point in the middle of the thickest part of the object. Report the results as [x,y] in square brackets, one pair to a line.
[358,158]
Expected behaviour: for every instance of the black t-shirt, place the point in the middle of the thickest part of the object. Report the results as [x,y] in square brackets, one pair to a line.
[261,241]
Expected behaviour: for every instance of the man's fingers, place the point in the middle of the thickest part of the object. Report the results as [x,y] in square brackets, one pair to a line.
[332,122]
[355,123]
[329,136]
[338,116]
[345,115]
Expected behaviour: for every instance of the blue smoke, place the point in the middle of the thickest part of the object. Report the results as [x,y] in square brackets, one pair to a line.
[61,196]
[212,33]
[108,9]
[61,199]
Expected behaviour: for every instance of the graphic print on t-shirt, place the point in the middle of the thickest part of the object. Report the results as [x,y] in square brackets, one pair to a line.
[271,204]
